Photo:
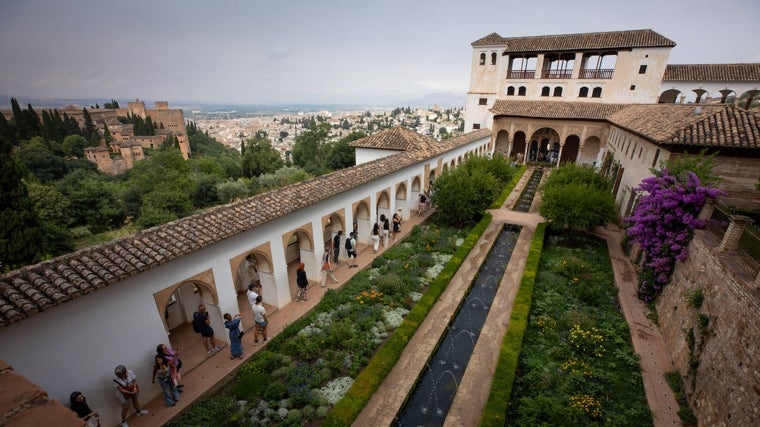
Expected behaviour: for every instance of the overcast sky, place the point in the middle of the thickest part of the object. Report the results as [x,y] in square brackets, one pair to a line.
[317,52]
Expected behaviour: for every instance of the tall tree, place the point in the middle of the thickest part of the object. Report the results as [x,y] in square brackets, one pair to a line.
[309,149]
[260,157]
[21,234]
[339,154]
[89,126]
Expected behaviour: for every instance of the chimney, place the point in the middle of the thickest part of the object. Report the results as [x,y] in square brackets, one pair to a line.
[697,110]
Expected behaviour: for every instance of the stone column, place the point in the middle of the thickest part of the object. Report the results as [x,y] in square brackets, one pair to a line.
[735,229]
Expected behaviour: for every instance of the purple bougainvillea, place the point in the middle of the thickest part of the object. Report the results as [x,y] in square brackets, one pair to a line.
[663,223]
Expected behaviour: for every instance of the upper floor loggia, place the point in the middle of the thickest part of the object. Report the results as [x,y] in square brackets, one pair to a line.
[627,66]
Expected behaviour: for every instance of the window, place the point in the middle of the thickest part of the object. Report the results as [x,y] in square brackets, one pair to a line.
[511,90]
[656,156]
[545,91]
[483,101]
[596,93]
[583,92]
[633,87]
[482,59]
[642,69]
[493,58]
[521,91]
[476,125]
[558,91]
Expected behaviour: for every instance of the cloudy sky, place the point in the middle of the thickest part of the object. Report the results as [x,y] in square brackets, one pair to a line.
[317,51]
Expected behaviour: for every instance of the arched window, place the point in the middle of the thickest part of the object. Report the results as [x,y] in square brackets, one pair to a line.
[557,91]
[596,93]
[521,91]
[583,92]
[493,58]
[511,90]
[545,91]
[482,59]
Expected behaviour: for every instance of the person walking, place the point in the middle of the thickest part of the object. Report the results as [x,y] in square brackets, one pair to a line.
[327,267]
[386,229]
[79,405]
[235,334]
[396,224]
[423,203]
[127,391]
[375,237]
[302,282]
[351,250]
[260,318]
[202,325]
[336,247]
[163,372]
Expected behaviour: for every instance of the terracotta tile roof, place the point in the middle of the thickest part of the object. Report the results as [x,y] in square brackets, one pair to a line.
[578,42]
[397,138]
[34,288]
[712,72]
[555,109]
[22,403]
[693,125]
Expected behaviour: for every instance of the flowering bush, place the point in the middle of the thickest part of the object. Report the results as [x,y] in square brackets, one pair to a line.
[589,341]
[587,404]
[336,389]
[663,223]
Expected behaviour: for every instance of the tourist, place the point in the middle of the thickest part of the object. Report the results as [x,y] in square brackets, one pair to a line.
[172,357]
[162,371]
[127,391]
[327,268]
[397,224]
[252,294]
[386,229]
[336,247]
[79,405]
[351,249]
[259,317]
[202,325]
[235,334]
[302,282]
[375,237]
[423,201]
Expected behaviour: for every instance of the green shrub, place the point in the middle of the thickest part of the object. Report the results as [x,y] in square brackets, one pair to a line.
[695,298]
[275,391]
[215,411]
[249,385]
[391,284]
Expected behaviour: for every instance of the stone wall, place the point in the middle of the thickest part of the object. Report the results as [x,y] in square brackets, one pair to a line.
[719,366]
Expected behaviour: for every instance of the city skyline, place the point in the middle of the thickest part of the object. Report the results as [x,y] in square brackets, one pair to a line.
[333,52]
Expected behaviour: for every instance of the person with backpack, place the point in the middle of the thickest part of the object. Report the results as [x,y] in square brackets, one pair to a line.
[351,250]
[202,325]
[127,390]
[302,282]
[336,247]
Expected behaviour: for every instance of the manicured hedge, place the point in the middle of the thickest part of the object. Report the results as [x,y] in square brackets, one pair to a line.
[348,408]
[494,413]
[519,171]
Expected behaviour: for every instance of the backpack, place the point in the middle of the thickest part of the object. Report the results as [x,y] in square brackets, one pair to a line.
[348,244]
[196,327]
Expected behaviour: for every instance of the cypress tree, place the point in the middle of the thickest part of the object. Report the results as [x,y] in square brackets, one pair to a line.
[7,132]
[21,236]
[89,126]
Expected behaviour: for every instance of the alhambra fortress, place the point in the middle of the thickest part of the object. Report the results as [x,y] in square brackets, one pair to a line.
[597,99]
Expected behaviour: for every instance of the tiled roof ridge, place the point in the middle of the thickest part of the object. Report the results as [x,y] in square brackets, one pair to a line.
[556,109]
[579,41]
[740,71]
[33,288]
[730,115]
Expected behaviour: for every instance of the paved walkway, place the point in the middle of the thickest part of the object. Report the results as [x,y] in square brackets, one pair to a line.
[473,391]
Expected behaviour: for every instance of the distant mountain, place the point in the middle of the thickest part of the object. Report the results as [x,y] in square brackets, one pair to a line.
[5,102]
[441,99]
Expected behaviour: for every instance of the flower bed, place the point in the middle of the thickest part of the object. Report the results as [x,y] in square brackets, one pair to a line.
[577,365]
[311,365]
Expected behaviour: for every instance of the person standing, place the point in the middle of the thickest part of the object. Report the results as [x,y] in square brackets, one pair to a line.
[260,318]
[163,372]
[235,334]
[252,294]
[336,247]
[127,391]
[79,405]
[202,325]
[351,250]
[327,267]
[396,224]
[386,229]
[423,201]
[302,282]
[375,237]
[172,357]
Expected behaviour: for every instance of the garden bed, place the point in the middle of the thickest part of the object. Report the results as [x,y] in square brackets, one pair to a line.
[577,366]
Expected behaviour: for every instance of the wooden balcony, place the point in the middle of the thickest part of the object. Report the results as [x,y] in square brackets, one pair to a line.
[526,74]
[556,74]
[605,73]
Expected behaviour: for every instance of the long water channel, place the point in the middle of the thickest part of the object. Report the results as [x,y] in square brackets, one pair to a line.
[434,392]
[431,398]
